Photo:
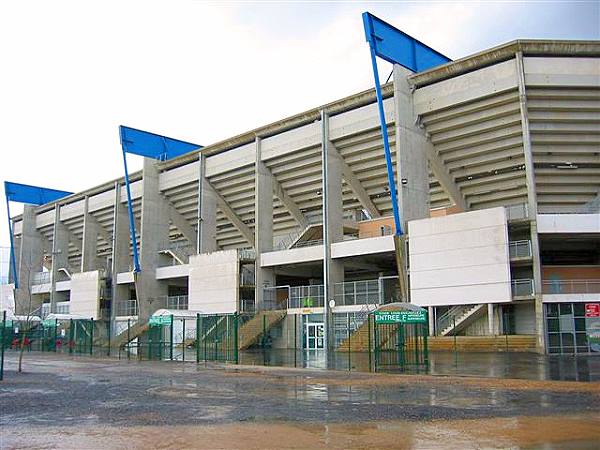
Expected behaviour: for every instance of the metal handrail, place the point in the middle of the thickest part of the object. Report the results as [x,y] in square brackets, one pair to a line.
[178,302]
[571,286]
[520,249]
[126,307]
[516,212]
[522,287]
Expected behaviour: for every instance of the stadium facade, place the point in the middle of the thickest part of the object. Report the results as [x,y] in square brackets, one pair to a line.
[497,162]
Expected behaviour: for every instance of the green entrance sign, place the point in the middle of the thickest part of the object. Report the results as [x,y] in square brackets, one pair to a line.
[160,320]
[383,317]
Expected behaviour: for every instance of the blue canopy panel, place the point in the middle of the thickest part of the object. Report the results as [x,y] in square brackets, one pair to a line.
[152,145]
[34,195]
[24,193]
[397,47]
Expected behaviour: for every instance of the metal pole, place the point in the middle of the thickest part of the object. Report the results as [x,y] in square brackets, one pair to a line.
[136,262]
[13,260]
[386,143]
[197,338]
[326,248]
[455,349]
[369,338]
[129,340]
[236,338]
[109,326]
[171,338]
[55,330]
[349,344]
[3,343]
[71,336]
[92,338]
[183,339]
[295,339]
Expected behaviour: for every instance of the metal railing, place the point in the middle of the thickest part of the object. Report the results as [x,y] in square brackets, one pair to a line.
[247,305]
[311,243]
[571,286]
[517,212]
[177,302]
[311,296]
[61,308]
[40,278]
[247,277]
[522,288]
[357,293]
[126,308]
[246,254]
[519,249]
[448,319]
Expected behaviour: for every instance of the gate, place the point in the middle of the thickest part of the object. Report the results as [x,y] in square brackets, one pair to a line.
[399,339]
[217,337]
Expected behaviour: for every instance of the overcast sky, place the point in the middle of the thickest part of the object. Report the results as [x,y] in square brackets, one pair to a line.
[71,72]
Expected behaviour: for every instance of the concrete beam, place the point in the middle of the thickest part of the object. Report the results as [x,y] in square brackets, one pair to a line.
[179,221]
[287,201]
[357,188]
[444,178]
[231,215]
[207,213]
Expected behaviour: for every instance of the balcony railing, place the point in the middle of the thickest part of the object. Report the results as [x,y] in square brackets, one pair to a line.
[247,277]
[522,288]
[311,296]
[517,212]
[40,278]
[571,287]
[61,308]
[178,302]
[126,307]
[365,292]
[519,249]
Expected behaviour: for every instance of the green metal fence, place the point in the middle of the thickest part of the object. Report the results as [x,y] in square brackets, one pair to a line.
[400,346]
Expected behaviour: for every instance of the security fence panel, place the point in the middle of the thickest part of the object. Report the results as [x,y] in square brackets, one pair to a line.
[217,337]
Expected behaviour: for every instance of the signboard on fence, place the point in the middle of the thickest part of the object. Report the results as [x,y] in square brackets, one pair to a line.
[387,317]
[160,320]
[592,310]
[592,325]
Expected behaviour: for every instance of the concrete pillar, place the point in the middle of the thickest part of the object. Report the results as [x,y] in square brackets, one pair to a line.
[263,224]
[121,241]
[411,144]
[490,316]
[207,213]
[333,220]
[431,317]
[30,261]
[17,250]
[532,206]
[60,255]
[151,293]
[89,241]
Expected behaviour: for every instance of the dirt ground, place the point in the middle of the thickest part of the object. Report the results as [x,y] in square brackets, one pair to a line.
[80,403]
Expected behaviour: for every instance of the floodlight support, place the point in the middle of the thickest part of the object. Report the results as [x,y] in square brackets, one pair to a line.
[386,143]
[136,258]
[13,260]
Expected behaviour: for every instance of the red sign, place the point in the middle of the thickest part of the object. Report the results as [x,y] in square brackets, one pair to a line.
[592,310]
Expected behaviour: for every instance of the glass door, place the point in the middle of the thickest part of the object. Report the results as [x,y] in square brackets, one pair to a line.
[314,336]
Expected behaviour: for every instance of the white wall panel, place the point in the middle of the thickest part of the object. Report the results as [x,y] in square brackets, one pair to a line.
[213,282]
[460,259]
[85,294]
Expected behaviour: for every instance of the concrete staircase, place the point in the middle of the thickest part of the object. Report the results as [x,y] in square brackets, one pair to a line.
[177,255]
[124,337]
[252,330]
[459,317]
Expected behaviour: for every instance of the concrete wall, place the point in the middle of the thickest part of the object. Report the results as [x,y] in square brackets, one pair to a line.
[85,294]
[214,282]
[7,299]
[372,228]
[460,259]
[568,223]
[524,318]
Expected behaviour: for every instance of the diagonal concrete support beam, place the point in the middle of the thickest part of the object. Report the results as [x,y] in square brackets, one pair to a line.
[288,203]
[443,176]
[179,221]
[231,215]
[357,188]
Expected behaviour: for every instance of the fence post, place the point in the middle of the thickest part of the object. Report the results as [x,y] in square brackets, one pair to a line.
[109,329]
[375,349]
[349,344]
[369,338]
[92,338]
[455,349]
[2,356]
[71,337]
[425,344]
[55,330]
[295,339]
[197,338]
[129,340]
[236,338]
[171,338]
[183,340]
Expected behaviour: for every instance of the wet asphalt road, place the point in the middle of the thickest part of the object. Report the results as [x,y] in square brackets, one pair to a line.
[62,391]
